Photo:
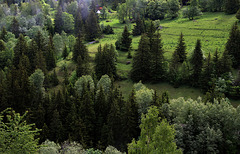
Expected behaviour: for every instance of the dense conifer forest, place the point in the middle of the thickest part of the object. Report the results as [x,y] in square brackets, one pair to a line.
[63,64]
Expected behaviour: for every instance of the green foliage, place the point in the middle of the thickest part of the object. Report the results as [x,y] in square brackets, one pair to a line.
[181,49]
[157,9]
[68,22]
[238,14]
[108,30]
[92,27]
[58,21]
[204,127]
[142,61]
[192,10]
[174,7]
[156,136]
[125,41]
[80,50]
[84,81]
[122,12]
[36,80]
[105,60]
[233,45]
[106,83]
[139,27]
[231,6]
[197,63]
[16,135]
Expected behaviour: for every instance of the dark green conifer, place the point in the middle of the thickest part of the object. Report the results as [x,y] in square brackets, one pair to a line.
[207,73]
[225,63]
[157,60]
[105,61]
[55,127]
[181,49]
[15,27]
[58,22]
[31,54]
[80,50]
[233,45]
[41,62]
[3,35]
[216,64]
[142,61]
[65,52]
[19,49]
[82,67]
[238,14]
[125,42]
[54,78]
[40,42]
[92,27]
[197,63]
[50,56]
[78,24]
[139,27]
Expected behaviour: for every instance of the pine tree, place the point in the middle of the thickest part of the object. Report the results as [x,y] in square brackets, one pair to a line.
[87,115]
[231,6]
[181,49]
[233,45]
[216,64]
[173,74]
[142,61]
[15,27]
[40,42]
[105,61]
[79,27]
[80,50]
[58,22]
[41,62]
[65,52]
[3,35]
[207,73]
[131,118]
[54,78]
[157,60]
[225,63]
[125,42]
[19,49]
[82,67]
[197,63]
[55,127]
[139,27]
[150,30]
[31,54]
[50,57]
[92,27]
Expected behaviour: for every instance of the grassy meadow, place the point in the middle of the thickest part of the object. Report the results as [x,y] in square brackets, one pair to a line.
[211,28]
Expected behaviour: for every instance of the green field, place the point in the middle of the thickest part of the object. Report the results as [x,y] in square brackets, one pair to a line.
[211,28]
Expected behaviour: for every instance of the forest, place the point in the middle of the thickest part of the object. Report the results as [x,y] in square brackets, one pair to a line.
[119,76]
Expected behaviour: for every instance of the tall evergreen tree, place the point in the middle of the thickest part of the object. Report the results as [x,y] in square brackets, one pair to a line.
[2,46]
[139,27]
[216,64]
[207,73]
[157,60]
[92,27]
[173,74]
[197,63]
[65,52]
[40,42]
[80,50]
[105,61]
[79,27]
[58,22]
[181,49]
[142,61]
[19,49]
[125,42]
[225,63]
[3,35]
[15,27]
[41,61]
[233,45]
[131,118]
[50,56]
[82,67]
[31,54]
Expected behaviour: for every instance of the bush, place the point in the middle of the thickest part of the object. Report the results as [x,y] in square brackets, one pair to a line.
[108,30]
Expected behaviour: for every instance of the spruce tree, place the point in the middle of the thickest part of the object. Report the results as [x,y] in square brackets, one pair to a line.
[157,60]
[125,42]
[41,61]
[15,27]
[50,56]
[79,27]
[58,22]
[105,61]
[233,45]
[216,64]
[225,63]
[92,27]
[55,127]
[173,74]
[207,73]
[3,35]
[238,14]
[65,52]
[197,63]
[139,27]
[181,49]
[131,118]
[40,42]
[80,50]
[31,53]
[19,49]
[82,67]
[142,61]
